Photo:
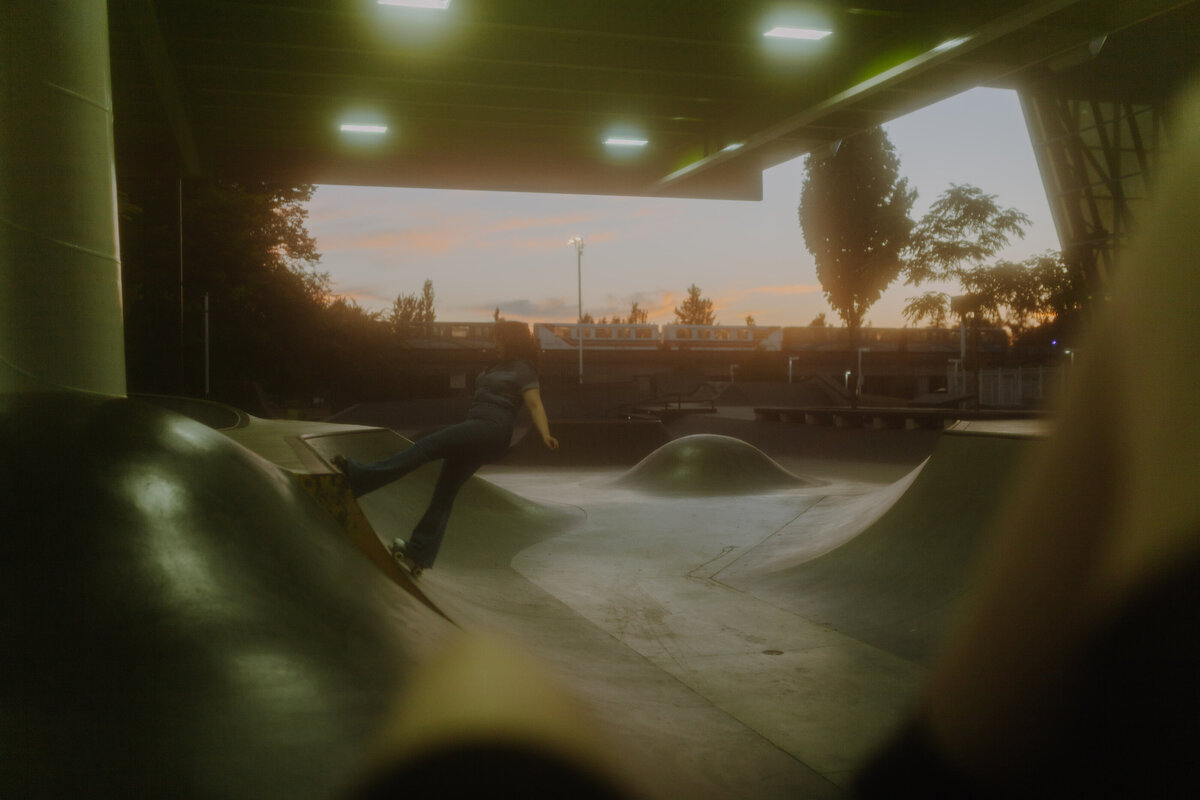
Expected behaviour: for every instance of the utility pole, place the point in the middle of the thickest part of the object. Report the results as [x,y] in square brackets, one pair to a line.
[578,242]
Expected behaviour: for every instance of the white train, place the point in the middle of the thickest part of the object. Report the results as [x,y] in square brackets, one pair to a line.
[566,336]
[761,338]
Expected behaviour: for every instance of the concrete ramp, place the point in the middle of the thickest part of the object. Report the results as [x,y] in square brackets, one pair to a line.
[895,582]
[677,741]
[708,464]
[503,519]
[805,613]
[181,619]
[227,616]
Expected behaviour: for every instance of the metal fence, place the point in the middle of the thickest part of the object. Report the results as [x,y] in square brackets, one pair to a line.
[1021,386]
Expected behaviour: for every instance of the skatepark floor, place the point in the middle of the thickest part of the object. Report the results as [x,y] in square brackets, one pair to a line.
[681,619]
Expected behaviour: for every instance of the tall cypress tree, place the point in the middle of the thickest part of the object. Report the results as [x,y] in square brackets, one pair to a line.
[853,211]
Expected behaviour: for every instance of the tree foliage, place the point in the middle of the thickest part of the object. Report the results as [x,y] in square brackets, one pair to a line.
[932,306]
[695,310]
[1017,296]
[963,229]
[853,212]
[409,307]
[244,247]
[964,226]
[637,316]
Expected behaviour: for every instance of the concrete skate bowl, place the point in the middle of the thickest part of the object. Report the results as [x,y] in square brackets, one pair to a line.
[896,584]
[181,618]
[708,464]
[482,510]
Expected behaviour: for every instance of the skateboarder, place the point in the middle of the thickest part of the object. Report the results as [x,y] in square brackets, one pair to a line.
[482,438]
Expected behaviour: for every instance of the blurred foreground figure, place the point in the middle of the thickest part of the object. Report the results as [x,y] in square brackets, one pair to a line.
[484,718]
[1076,669]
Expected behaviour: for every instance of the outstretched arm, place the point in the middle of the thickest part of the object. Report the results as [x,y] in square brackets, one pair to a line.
[533,401]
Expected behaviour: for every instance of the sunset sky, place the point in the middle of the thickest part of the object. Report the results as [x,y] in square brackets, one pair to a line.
[484,250]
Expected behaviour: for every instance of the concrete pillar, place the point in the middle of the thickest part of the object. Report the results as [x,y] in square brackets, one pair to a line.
[60,275]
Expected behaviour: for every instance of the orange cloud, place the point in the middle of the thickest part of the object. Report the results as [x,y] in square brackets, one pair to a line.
[428,242]
[523,224]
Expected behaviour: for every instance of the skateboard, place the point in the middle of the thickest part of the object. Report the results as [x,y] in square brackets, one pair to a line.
[400,554]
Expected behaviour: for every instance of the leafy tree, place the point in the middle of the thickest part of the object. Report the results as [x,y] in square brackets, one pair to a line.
[637,316]
[964,226]
[750,320]
[853,211]
[411,308]
[933,306]
[587,318]
[818,321]
[245,247]
[1015,295]
[695,310]
[963,229]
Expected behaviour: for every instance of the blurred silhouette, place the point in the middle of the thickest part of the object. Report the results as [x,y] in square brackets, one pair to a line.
[483,717]
[1075,671]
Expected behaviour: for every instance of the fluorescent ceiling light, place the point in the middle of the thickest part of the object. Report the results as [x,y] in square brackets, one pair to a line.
[439,4]
[354,128]
[732,146]
[621,141]
[784,32]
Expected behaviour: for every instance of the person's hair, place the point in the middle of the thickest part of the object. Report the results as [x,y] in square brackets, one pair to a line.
[517,341]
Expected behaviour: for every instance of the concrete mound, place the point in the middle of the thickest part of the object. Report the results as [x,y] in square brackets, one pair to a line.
[181,617]
[708,464]
[896,584]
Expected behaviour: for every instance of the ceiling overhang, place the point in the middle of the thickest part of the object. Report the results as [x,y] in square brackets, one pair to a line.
[519,96]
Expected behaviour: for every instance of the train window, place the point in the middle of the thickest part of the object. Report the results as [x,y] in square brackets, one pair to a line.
[460,331]
[683,333]
[644,333]
[721,333]
[705,334]
[602,333]
[623,333]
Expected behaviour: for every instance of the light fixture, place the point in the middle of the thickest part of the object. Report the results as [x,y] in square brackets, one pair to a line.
[625,141]
[732,146]
[438,4]
[784,32]
[350,127]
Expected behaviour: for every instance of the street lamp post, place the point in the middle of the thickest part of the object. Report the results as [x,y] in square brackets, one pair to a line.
[578,242]
[861,350]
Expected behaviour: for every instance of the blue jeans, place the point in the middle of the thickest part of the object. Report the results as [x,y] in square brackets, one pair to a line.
[464,448]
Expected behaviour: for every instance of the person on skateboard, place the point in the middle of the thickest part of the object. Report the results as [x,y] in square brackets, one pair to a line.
[482,438]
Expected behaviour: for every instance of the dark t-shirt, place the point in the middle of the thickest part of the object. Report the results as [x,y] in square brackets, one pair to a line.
[498,391]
